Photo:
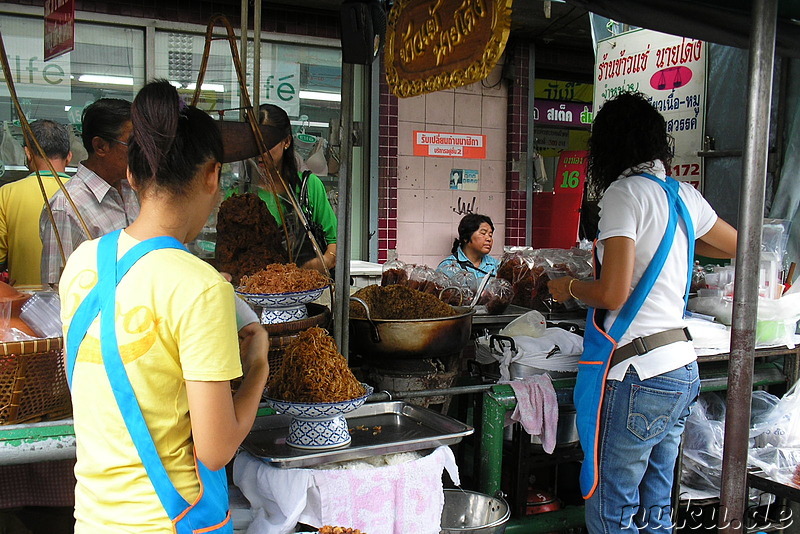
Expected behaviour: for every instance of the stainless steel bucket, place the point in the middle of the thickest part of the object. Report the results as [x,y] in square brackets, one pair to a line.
[473,513]
[566,432]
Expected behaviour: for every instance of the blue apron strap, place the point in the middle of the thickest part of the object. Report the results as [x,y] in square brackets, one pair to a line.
[677,210]
[89,308]
[671,185]
[109,273]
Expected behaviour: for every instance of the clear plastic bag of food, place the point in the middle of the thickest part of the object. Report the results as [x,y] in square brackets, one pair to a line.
[393,272]
[422,279]
[461,288]
[519,267]
[496,296]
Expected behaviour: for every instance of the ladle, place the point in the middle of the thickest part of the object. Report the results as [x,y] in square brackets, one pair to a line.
[481,287]
[376,336]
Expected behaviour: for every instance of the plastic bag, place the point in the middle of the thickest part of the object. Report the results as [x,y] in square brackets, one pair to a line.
[421,278]
[777,320]
[529,270]
[11,151]
[496,296]
[703,442]
[780,427]
[463,284]
[530,324]
[393,272]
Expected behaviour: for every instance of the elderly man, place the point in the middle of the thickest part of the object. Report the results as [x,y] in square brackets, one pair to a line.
[99,188]
[21,203]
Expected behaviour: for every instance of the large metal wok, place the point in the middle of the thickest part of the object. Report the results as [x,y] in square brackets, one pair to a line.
[410,338]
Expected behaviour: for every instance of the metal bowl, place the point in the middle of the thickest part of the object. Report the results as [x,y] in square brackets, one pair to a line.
[470,512]
[411,338]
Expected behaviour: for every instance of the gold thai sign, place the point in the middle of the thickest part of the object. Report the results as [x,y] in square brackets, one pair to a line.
[442,44]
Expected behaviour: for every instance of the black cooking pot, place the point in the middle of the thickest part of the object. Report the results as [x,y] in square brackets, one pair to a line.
[410,338]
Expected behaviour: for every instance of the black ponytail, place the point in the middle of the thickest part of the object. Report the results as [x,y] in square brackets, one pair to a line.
[170,139]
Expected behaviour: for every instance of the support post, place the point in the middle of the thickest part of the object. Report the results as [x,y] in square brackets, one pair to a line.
[341,304]
[745,303]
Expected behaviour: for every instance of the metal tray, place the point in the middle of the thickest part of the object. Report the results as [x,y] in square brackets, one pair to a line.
[404,427]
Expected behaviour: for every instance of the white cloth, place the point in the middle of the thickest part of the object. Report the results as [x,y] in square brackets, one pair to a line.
[563,347]
[635,207]
[383,500]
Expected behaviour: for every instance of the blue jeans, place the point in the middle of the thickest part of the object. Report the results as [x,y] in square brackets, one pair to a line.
[641,426]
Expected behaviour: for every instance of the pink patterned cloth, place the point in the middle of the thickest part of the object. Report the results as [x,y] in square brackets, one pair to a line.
[395,499]
[537,408]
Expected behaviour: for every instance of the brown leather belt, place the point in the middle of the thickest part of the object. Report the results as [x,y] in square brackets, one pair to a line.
[643,345]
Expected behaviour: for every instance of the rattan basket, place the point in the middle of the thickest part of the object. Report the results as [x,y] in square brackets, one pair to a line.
[33,384]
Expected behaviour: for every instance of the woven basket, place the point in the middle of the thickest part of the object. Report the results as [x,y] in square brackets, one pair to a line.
[33,382]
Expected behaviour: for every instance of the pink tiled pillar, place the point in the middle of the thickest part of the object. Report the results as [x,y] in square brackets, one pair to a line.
[387,171]
[517,141]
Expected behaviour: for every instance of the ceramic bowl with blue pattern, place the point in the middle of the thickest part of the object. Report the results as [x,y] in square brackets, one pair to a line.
[282,307]
[318,425]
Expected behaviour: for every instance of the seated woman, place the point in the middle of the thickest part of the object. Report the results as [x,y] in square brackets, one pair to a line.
[471,250]
[307,189]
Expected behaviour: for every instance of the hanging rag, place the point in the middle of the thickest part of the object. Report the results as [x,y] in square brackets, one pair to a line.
[599,345]
[537,408]
[209,512]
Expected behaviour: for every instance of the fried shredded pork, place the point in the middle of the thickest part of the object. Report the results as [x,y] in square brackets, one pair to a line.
[398,302]
[327,529]
[283,278]
[313,370]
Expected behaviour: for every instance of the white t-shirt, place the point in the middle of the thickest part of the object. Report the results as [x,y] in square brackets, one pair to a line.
[636,207]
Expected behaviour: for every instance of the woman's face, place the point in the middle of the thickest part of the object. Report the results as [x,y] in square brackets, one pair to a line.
[277,151]
[481,240]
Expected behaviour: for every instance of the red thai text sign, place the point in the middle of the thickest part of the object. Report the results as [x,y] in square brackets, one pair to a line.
[59,27]
[449,145]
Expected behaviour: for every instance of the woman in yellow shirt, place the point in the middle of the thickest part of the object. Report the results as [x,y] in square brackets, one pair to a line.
[151,342]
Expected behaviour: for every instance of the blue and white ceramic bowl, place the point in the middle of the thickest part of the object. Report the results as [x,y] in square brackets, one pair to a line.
[318,425]
[281,300]
[282,307]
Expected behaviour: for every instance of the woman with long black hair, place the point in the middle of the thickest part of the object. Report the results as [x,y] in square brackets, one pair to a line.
[309,192]
[638,375]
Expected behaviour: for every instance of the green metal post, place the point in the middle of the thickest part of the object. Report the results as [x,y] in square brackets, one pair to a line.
[495,405]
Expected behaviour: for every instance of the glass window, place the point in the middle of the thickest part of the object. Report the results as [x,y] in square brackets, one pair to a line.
[304,80]
[108,61]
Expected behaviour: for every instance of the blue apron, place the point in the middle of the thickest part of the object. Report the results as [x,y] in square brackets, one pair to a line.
[598,345]
[209,513]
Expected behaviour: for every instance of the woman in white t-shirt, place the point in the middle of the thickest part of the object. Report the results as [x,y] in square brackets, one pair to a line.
[644,399]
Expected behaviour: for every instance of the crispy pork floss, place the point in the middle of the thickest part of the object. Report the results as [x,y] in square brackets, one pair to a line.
[248,238]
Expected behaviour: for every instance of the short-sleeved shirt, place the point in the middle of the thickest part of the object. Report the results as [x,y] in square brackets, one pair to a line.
[175,322]
[489,264]
[102,207]
[21,205]
[636,207]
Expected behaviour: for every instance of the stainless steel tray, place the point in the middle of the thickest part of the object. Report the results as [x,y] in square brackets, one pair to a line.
[403,427]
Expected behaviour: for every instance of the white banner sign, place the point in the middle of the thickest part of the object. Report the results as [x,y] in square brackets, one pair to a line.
[671,72]
[33,78]
[280,85]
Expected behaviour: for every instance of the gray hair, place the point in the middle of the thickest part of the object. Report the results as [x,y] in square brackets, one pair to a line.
[53,138]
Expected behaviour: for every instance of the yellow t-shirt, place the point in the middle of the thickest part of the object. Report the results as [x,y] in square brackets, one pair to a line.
[175,322]
[21,205]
